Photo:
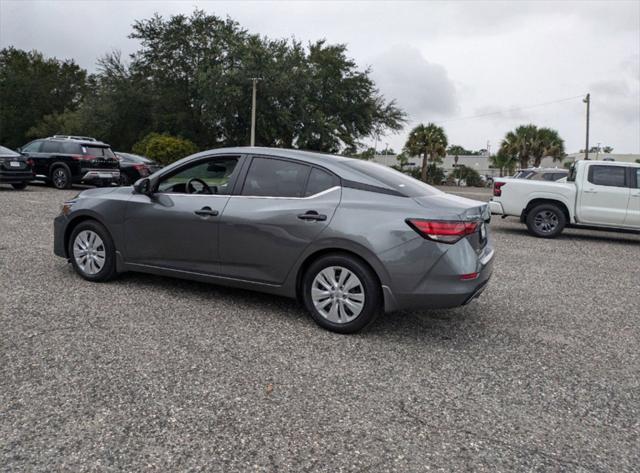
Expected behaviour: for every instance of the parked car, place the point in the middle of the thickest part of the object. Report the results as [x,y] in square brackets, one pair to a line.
[134,167]
[600,194]
[541,174]
[346,236]
[63,160]
[15,169]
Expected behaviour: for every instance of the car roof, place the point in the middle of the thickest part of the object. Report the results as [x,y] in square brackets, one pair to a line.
[610,163]
[83,140]
[336,164]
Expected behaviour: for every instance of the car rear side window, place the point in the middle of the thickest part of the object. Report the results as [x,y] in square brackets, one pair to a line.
[50,147]
[275,178]
[70,148]
[611,176]
[399,182]
[319,181]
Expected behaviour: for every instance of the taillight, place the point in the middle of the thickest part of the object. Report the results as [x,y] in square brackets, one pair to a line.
[83,157]
[30,162]
[142,169]
[443,231]
[497,188]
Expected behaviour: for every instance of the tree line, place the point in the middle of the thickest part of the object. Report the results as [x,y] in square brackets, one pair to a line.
[191,78]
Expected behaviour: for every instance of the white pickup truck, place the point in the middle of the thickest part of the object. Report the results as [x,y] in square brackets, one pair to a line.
[600,194]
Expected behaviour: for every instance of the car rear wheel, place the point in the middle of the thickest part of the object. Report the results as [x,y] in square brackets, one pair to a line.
[546,221]
[20,186]
[92,252]
[61,178]
[341,293]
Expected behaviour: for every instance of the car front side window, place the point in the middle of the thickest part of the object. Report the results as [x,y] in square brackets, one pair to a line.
[610,176]
[211,176]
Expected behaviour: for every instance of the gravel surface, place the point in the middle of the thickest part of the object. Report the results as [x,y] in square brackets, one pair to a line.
[145,373]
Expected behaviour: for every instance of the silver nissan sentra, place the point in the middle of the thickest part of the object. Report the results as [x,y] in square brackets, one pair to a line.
[348,238]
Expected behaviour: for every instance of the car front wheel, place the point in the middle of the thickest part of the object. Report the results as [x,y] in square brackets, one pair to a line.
[92,252]
[546,221]
[341,293]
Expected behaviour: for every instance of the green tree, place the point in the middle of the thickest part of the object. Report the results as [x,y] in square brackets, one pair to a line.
[503,161]
[428,141]
[32,87]
[164,148]
[530,143]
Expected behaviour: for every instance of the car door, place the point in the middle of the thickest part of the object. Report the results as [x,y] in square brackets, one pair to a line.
[604,195]
[32,150]
[633,210]
[177,226]
[282,207]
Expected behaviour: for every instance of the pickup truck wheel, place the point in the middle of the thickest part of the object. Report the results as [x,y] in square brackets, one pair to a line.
[546,221]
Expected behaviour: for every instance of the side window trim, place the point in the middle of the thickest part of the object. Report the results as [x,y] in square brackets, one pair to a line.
[232,181]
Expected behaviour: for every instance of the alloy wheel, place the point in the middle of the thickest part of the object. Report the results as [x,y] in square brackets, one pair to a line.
[338,294]
[59,178]
[89,252]
[546,221]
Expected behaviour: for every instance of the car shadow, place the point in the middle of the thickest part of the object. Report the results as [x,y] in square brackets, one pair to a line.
[436,325]
[578,234]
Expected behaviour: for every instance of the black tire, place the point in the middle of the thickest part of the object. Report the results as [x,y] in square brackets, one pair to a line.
[20,186]
[124,180]
[61,177]
[108,270]
[370,285]
[546,221]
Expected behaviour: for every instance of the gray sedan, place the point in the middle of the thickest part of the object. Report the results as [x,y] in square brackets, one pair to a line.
[348,238]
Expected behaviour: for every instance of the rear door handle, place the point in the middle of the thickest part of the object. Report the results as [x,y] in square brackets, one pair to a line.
[206,212]
[312,215]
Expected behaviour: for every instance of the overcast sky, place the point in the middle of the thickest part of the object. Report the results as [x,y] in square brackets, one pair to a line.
[441,61]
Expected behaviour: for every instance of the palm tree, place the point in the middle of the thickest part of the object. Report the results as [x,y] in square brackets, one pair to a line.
[519,143]
[547,142]
[428,141]
[503,161]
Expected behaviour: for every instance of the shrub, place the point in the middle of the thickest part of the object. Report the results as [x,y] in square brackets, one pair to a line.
[470,176]
[164,148]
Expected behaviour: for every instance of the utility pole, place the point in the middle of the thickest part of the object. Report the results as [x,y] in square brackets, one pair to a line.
[587,100]
[253,110]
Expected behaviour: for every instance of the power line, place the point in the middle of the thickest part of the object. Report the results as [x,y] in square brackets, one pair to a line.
[498,112]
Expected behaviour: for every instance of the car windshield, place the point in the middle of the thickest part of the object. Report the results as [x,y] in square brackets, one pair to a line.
[396,180]
[98,151]
[7,152]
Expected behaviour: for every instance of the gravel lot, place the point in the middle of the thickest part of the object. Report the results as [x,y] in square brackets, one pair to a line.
[154,374]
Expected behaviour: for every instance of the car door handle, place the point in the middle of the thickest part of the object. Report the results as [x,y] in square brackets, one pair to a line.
[206,212]
[590,191]
[312,215]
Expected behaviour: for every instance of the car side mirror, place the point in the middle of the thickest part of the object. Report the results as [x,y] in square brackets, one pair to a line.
[142,186]
[19,150]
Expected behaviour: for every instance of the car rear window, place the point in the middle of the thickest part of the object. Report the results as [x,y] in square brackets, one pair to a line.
[275,178]
[399,182]
[319,181]
[98,151]
[7,152]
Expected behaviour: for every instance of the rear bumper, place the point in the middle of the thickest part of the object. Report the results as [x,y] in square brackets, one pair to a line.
[100,175]
[496,208]
[15,177]
[442,287]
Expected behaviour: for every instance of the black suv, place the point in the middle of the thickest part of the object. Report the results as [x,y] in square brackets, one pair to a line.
[64,160]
